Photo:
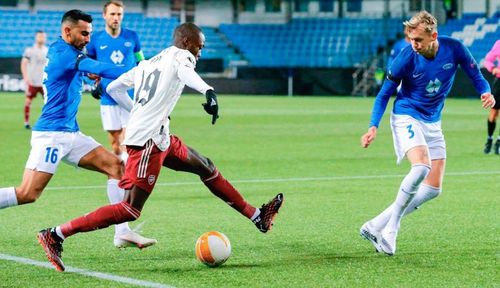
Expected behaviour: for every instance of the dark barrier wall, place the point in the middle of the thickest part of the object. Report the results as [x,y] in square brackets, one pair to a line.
[267,81]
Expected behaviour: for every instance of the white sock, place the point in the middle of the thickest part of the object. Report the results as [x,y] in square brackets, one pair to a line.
[424,194]
[379,222]
[406,193]
[8,197]
[115,195]
[59,232]
[255,214]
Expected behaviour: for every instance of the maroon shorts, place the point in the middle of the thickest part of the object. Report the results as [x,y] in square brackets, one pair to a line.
[144,163]
[33,90]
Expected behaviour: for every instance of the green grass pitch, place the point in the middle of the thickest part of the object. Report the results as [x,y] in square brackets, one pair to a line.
[306,147]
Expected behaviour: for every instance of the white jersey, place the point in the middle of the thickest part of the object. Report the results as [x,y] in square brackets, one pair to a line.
[37,58]
[157,89]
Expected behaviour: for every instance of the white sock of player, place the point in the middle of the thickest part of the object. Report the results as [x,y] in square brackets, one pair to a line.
[424,194]
[379,222]
[8,197]
[255,214]
[115,195]
[406,193]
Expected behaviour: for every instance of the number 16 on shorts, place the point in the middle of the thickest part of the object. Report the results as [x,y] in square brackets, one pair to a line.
[51,155]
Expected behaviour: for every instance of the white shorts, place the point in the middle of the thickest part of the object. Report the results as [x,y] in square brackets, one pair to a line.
[408,132]
[49,148]
[114,117]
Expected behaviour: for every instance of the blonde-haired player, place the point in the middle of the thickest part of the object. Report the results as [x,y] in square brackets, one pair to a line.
[425,70]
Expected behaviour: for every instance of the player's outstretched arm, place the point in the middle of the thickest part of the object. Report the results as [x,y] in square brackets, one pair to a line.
[488,100]
[106,70]
[368,137]
[189,77]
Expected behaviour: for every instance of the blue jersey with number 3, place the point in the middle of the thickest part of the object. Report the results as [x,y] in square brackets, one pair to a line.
[63,81]
[427,82]
[119,50]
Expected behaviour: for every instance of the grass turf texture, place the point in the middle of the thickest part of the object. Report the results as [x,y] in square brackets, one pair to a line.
[451,242]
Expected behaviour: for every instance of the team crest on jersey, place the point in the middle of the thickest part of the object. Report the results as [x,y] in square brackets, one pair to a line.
[128,44]
[117,57]
[433,86]
[447,66]
[151,179]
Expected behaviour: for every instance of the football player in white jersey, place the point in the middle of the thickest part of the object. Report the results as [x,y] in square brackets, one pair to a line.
[158,85]
[32,64]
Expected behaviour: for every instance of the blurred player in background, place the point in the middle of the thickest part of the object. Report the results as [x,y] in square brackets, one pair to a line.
[159,83]
[120,46]
[399,45]
[32,65]
[426,71]
[115,45]
[56,135]
[492,63]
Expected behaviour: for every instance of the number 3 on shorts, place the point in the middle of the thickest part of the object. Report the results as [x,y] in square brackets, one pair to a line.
[51,155]
[411,132]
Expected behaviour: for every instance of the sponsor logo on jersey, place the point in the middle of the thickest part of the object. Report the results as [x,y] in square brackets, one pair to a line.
[102,47]
[447,66]
[433,86]
[128,44]
[417,75]
[117,57]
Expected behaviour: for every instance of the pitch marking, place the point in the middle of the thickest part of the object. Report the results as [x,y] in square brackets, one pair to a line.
[85,272]
[297,179]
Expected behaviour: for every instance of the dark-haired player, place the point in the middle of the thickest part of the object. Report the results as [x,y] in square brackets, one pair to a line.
[56,136]
[158,84]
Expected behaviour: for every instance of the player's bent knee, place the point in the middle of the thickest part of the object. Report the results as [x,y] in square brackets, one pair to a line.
[25,196]
[415,177]
[116,170]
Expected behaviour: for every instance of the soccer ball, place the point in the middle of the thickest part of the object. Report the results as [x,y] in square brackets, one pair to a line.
[213,248]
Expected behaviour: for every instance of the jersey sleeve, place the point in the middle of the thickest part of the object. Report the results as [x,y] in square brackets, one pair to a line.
[399,65]
[469,64]
[85,64]
[139,55]
[128,77]
[185,58]
[26,53]
[381,101]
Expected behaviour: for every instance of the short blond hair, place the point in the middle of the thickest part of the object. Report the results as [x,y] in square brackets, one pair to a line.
[423,18]
[112,2]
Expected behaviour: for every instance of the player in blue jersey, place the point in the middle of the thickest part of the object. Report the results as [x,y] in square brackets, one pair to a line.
[426,71]
[56,135]
[117,45]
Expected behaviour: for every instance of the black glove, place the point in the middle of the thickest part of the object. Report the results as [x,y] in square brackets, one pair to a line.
[211,107]
[96,91]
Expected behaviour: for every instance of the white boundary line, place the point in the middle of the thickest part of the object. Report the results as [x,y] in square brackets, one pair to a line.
[297,179]
[84,272]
